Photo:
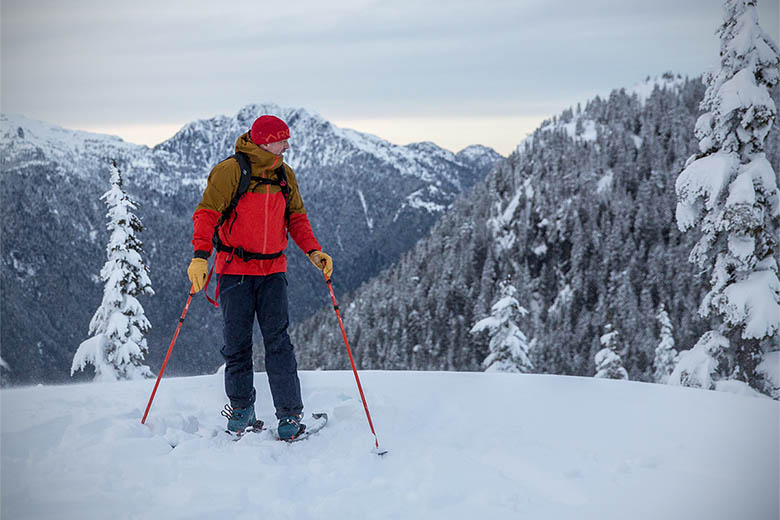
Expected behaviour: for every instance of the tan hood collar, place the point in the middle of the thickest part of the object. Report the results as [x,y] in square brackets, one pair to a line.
[257,156]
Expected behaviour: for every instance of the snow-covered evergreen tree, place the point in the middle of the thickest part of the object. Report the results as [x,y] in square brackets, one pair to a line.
[608,362]
[704,364]
[665,354]
[729,193]
[5,370]
[117,345]
[508,345]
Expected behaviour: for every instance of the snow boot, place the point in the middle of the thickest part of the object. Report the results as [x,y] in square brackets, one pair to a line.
[290,427]
[239,418]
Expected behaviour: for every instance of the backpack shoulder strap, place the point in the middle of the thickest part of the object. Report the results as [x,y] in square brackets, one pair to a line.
[246,173]
[243,183]
[281,175]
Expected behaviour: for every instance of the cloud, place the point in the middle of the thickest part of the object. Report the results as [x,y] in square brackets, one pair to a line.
[111,65]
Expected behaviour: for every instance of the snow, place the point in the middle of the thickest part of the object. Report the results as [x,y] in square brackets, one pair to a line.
[461,445]
[765,179]
[742,93]
[60,143]
[604,184]
[90,352]
[755,301]
[417,200]
[589,132]
[529,189]
[741,190]
[770,368]
[644,89]
[22,268]
[609,364]
[698,367]
[705,177]
[369,221]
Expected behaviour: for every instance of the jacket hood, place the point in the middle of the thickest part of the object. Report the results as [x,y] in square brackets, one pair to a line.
[257,156]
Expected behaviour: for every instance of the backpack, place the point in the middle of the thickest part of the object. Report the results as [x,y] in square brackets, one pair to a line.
[243,187]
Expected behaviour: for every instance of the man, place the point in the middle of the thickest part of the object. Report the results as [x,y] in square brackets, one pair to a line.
[251,269]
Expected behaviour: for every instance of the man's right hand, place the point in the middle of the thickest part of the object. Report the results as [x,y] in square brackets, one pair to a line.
[197,272]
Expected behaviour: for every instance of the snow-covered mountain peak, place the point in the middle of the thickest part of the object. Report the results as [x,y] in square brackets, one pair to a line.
[315,142]
[252,111]
[475,151]
[22,135]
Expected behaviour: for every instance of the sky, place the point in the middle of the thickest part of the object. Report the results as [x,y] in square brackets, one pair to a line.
[453,72]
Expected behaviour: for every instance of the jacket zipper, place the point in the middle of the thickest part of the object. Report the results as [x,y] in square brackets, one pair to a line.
[267,198]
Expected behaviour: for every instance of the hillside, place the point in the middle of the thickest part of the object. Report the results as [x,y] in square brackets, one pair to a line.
[461,446]
[580,220]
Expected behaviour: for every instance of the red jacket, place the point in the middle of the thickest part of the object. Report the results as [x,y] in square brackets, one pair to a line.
[258,224]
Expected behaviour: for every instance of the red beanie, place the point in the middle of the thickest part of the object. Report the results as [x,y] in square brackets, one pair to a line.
[268,129]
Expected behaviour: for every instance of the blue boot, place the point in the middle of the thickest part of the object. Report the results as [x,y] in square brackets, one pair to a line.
[239,418]
[290,427]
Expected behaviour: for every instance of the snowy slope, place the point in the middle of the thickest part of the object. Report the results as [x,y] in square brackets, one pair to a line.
[461,445]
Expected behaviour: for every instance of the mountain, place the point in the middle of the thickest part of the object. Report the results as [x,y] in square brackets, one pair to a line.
[368,201]
[580,219]
[460,445]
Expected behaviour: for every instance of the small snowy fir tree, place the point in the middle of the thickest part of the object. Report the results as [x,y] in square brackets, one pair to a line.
[704,364]
[117,345]
[665,354]
[729,193]
[5,370]
[508,345]
[608,362]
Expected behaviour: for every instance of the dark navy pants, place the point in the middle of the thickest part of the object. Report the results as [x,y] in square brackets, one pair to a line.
[242,297]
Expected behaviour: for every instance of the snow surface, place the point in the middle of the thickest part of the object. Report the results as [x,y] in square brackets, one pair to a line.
[462,446]
[644,89]
[604,184]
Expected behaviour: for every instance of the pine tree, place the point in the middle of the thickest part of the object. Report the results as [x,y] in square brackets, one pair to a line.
[729,192]
[704,364]
[608,362]
[665,354]
[117,345]
[508,345]
[5,370]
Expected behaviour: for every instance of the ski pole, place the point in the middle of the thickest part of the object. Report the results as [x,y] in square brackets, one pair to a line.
[168,355]
[352,362]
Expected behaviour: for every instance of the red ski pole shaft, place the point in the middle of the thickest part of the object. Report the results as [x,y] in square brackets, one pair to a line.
[351,359]
[167,356]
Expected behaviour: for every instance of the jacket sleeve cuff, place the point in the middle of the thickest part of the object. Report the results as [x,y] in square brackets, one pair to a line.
[199,253]
[311,251]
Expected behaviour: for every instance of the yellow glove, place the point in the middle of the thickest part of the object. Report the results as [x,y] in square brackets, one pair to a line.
[197,272]
[317,258]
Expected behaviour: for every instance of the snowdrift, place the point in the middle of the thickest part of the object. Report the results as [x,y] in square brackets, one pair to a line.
[461,445]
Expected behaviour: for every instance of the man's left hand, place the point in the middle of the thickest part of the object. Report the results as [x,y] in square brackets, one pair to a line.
[323,262]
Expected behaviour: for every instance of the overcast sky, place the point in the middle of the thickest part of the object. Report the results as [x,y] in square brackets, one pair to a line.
[453,72]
